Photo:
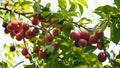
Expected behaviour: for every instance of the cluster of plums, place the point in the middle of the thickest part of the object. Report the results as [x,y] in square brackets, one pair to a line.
[22,30]
[84,39]
[37,50]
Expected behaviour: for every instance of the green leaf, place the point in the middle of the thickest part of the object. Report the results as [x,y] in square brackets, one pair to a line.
[26,3]
[82,66]
[62,4]
[115,32]
[61,21]
[83,2]
[116,64]
[84,20]
[73,6]
[80,8]
[47,7]
[50,48]
[29,66]
[67,28]
[118,56]
[117,2]
[90,49]
[105,10]
[37,8]
[65,44]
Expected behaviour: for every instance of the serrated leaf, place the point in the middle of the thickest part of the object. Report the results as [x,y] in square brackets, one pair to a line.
[90,49]
[83,2]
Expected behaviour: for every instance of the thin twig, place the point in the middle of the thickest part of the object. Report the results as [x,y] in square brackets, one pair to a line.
[76,23]
[18,64]
[103,46]
[23,14]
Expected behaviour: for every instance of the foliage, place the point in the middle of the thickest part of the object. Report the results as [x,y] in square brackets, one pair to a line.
[69,53]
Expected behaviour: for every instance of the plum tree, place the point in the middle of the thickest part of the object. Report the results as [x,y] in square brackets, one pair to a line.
[50,39]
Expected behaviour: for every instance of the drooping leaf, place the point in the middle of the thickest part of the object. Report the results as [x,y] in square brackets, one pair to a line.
[83,2]
[115,31]
[90,49]
[73,6]
[80,8]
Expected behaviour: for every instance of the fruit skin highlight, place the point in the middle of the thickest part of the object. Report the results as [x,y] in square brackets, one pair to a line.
[92,39]
[82,42]
[84,34]
[75,36]
[35,20]
[24,51]
[102,56]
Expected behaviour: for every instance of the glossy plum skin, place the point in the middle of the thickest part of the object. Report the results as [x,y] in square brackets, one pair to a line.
[75,36]
[102,56]
[24,51]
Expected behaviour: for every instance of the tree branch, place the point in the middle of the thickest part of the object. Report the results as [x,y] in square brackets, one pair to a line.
[23,14]
[76,23]
[103,46]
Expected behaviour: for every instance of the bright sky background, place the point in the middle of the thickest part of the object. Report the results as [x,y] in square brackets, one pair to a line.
[92,4]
